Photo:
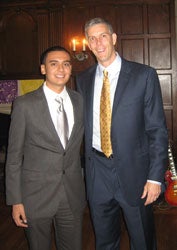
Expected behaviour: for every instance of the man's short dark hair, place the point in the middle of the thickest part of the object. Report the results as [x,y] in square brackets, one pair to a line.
[50,49]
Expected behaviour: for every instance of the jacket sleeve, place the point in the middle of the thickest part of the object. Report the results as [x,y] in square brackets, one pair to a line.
[15,154]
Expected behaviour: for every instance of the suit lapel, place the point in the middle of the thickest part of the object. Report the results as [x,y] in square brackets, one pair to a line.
[45,117]
[89,96]
[121,84]
[76,111]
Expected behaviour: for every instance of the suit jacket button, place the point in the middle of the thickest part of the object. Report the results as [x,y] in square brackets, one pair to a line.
[63,171]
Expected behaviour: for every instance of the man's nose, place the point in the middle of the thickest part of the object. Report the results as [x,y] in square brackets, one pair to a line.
[60,67]
[98,40]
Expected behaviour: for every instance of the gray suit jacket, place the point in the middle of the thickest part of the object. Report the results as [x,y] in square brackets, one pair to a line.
[36,161]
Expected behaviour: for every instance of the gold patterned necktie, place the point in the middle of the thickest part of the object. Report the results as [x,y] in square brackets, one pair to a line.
[105,116]
[62,122]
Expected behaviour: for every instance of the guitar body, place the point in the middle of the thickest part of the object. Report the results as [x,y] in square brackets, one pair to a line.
[171,179]
[168,176]
[171,193]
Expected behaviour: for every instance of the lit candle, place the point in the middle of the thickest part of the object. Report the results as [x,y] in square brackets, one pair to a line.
[74,45]
[83,45]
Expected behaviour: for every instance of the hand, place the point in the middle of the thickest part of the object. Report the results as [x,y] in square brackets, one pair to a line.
[18,214]
[151,192]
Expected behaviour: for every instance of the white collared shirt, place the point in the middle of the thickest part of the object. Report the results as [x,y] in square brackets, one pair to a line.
[53,105]
[113,75]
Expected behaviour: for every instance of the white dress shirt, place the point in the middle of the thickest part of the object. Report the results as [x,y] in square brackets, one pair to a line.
[53,106]
[113,75]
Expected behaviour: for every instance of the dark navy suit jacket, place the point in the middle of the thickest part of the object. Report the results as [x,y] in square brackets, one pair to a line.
[138,130]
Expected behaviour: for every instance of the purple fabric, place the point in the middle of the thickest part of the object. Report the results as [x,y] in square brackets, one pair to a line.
[8,91]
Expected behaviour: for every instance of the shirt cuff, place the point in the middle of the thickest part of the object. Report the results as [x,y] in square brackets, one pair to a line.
[156,182]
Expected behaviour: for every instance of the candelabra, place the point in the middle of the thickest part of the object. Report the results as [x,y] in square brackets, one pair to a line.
[81,54]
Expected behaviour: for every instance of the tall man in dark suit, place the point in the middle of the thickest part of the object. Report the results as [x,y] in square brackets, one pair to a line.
[130,174]
[44,182]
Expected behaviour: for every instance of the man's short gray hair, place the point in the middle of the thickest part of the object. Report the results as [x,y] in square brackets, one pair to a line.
[97,20]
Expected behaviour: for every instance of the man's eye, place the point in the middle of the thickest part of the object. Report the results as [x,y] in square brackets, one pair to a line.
[53,64]
[103,35]
[92,39]
[67,64]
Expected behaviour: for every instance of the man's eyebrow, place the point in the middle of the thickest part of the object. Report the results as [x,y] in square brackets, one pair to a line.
[55,60]
[67,61]
[103,33]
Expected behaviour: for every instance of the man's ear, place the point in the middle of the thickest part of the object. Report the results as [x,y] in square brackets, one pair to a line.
[43,72]
[114,38]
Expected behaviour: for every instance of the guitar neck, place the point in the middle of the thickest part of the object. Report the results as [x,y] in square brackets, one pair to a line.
[172,164]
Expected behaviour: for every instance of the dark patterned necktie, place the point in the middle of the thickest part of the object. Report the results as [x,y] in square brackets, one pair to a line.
[62,122]
[105,116]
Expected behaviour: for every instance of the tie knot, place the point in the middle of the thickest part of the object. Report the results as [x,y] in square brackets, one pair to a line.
[105,73]
[59,100]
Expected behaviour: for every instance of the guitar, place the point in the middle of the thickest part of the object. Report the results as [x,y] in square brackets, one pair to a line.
[171,179]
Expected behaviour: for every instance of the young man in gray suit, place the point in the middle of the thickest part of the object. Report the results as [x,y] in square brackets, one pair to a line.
[128,174]
[44,182]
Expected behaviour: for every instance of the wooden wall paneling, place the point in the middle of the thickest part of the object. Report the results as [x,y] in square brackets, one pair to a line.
[166,88]
[159,18]
[133,49]
[55,26]
[43,31]
[131,32]
[131,40]
[2,30]
[19,43]
[160,54]
[131,18]
[107,11]
[167,95]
